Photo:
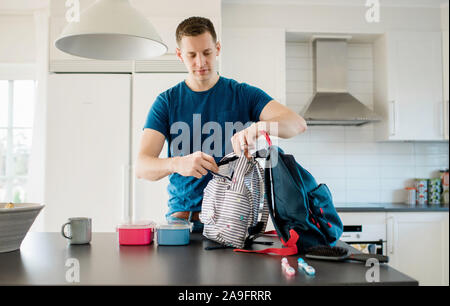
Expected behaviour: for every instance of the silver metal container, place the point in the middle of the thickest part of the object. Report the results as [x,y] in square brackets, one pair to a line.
[410,196]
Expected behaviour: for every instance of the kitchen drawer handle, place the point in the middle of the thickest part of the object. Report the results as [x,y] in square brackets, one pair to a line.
[444,119]
[441,120]
[126,193]
[391,238]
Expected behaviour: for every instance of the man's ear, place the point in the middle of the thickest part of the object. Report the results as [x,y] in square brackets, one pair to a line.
[218,48]
[178,53]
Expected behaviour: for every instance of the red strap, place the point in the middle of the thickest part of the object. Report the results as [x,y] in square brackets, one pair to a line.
[267,137]
[290,247]
[273,232]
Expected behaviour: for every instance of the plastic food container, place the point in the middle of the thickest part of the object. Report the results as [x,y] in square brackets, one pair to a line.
[138,233]
[173,234]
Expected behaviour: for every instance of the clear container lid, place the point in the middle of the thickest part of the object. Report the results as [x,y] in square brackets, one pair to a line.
[176,226]
[144,224]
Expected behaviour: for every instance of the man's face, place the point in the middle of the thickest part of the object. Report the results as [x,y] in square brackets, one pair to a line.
[198,53]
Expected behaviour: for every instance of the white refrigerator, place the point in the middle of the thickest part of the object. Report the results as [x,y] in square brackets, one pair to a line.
[88,148]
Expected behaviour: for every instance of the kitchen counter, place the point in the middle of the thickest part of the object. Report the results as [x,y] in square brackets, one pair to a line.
[389,207]
[43,256]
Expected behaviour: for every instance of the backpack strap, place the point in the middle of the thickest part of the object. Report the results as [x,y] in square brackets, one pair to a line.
[260,211]
[289,249]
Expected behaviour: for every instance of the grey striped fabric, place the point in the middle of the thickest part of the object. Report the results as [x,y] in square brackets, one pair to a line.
[233,202]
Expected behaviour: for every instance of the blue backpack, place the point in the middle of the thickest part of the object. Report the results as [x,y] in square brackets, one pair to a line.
[302,211]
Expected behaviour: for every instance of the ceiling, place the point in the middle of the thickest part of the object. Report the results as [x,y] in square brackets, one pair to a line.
[17,5]
[22,5]
[390,3]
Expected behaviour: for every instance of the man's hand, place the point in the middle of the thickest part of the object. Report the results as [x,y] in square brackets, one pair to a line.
[287,124]
[245,140]
[196,164]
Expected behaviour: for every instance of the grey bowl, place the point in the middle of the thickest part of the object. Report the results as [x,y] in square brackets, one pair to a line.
[15,223]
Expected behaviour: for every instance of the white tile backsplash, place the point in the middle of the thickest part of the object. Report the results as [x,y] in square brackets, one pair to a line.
[327,160]
[365,176]
[327,135]
[390,172]
[363,184]
[396,148]
[362,160]
[324,172]
[326,148]
[427,172]
[362,172]
[397,160]
[427,148]
[363,196]
[432,160]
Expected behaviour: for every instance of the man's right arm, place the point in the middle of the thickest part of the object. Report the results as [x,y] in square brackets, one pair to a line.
[150,167]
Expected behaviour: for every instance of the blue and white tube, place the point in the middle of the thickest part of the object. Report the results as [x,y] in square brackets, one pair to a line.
[305,267]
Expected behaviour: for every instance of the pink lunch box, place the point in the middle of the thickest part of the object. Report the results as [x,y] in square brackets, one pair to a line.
[138,233]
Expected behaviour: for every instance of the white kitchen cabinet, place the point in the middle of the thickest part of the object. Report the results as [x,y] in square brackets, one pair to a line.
[87,147]
[445,66]
[418,245]
[150,198]
[408,86]
[256,56]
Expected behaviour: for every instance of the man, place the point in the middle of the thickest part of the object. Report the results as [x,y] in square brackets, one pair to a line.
[204,102]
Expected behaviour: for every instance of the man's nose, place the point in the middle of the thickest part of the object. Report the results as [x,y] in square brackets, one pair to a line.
[201,60]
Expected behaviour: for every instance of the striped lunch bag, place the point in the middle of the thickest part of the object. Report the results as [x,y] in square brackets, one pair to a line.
[234,208]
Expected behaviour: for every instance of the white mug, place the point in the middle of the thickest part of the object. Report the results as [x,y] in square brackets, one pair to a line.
[80,230]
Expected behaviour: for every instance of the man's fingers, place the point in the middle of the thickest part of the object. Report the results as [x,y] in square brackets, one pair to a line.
[243,140]
[244,144]
[209,166]
[236,145]
[202,170]
[197,174]
[209,160]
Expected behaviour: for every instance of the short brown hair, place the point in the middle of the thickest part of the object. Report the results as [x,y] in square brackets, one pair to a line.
[194,26]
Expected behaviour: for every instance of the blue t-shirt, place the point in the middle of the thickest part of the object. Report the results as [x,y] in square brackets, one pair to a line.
[202,121]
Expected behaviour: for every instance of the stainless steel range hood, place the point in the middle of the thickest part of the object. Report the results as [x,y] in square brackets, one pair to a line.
[332,104]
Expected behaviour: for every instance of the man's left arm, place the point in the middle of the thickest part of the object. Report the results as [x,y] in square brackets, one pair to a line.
[275,119]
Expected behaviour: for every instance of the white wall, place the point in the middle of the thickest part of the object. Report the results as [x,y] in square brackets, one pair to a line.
[17,38]
[444,17]
[328,18]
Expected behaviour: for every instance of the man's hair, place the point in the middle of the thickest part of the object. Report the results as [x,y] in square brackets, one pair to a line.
[194,26]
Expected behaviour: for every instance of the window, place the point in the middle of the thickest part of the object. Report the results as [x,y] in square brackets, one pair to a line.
[16,122]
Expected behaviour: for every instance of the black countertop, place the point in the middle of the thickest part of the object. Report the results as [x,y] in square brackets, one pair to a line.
[43,256]
[388,207]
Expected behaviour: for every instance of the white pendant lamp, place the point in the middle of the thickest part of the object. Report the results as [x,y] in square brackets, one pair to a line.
[111,30]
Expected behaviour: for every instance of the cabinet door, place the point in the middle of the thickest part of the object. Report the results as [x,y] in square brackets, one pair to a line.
[445,66]
[418,246]
[150,198]
[415,86]
[87,148]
